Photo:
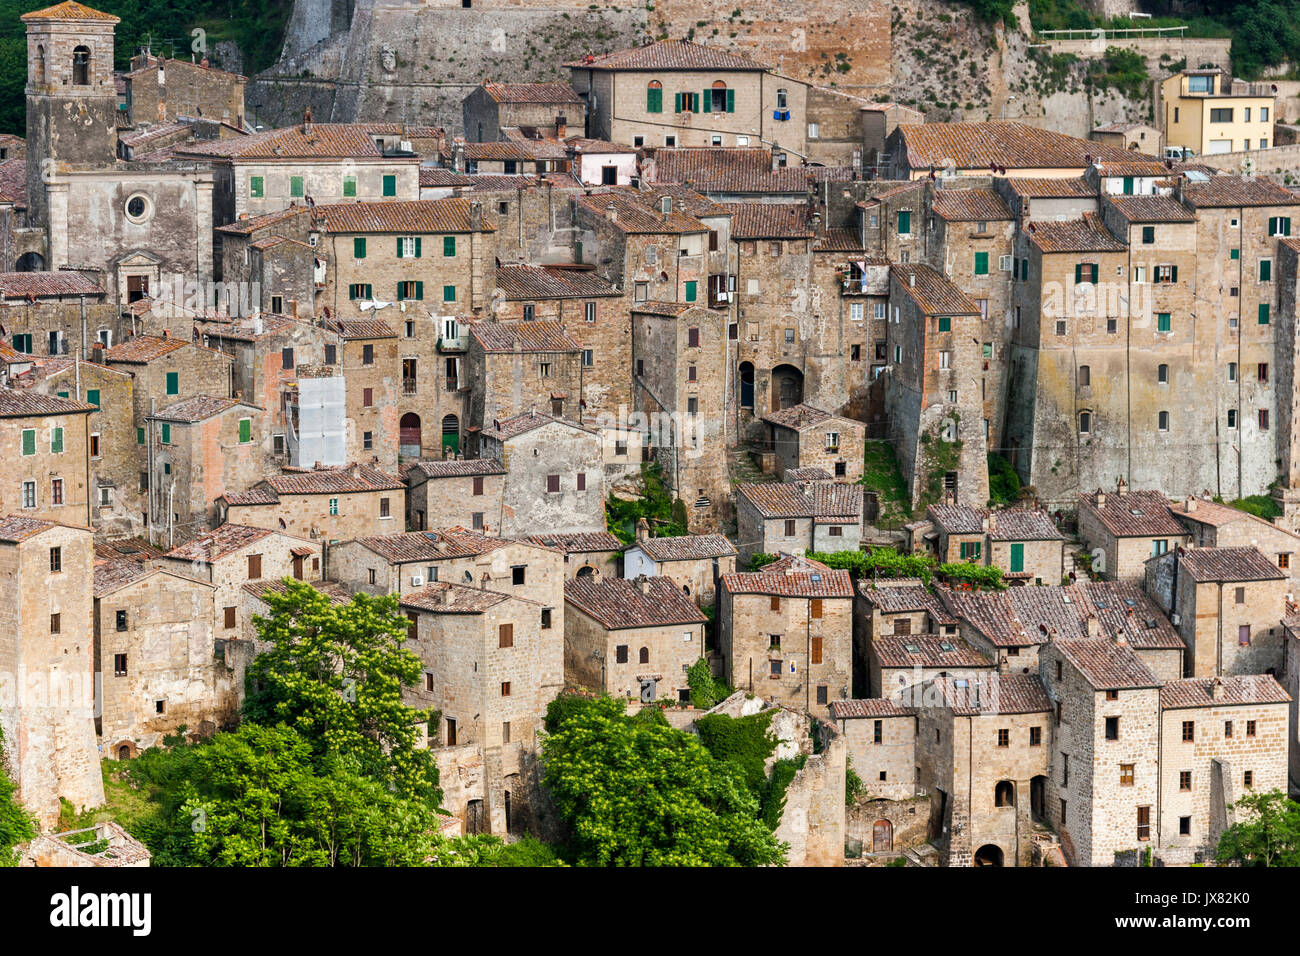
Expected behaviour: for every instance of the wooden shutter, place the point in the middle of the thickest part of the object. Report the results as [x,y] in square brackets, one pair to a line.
[775,603]
[815,610]
[230,618]
[254,567]
[815,656]
[506,635]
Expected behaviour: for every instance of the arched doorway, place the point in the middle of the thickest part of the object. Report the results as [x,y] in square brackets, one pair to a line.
[586,571]
[882,837]
[450,435]
[1004,794]
[1038,797]
[990,854]
[30,262]
[747,385]
[124,752]
[787,387]
[409,435]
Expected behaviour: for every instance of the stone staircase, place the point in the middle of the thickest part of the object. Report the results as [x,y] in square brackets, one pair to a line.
[743,469]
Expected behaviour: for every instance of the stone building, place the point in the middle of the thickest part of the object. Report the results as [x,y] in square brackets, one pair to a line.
[330,162]
[160,91]
[47,654]
[1214,525]
[894,608]
[47,441]
[548,107]
[1124,529]
[514,368]
[554,474]
[773,518]
[372,379]
[984,750]
[1220,738]
[595,554]
[1102,795]
[1227,604]
[1023,542]
[807,437]
[268,263]
[679,376]
[154,657]
[232,555]
[898,662]
[881,737]
[198,448]
[972,149]
[489,675]
[631,638]
[464,492]
[933,395]
[329,504]
[786,633]
[694,562]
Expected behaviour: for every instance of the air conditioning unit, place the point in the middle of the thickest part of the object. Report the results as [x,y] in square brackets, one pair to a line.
[417,580]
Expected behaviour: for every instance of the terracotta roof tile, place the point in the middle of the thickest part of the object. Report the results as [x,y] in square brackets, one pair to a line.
[365,329]
[728,170]
[13,182]
[926,650]
[807,501]
[69,10]
[635,217]
[1230,191]
[970,205]
[579,542]
[432,545]
[933,292]
[414,217]
[1108,666]
[323,141]
[688,547]
[253,496]
[618,603]
[530,336]
[560,93]
[891,598]
[218,543]
[454,468]
[797,416]
[506,429]
[1034,187]
[351,479]
[254,223]
[442,597]
[198,408]
[808,584]
[1151,209]
[806,474]
[1212,513]
[434,176]
[1135,514]
[769,221]
[20,285]
[20,403]
[667,55]
[1242,689]
[336,593]
[1229,564]
[869,708]
[143,349]
[16,528]
[1087,234]
[538,282]
[1010,524]
[1009,144]
[1001,694]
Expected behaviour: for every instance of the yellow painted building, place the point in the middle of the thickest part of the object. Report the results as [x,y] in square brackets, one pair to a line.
[1203,115]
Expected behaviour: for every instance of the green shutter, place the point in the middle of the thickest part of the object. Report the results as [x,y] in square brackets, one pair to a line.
[904,223]
[981,263]
[245,430]
[166,433]
[1017,557]
[945,323]
[706,98]
[1263,313]
[349,185]
[419,289]
[29,441]
[690,291]
[677,102]
[390,185]
[1265,270]
[449,293]
[1128,185]
[64,395]
[139,436]
[731,101]
[654,99]
[173,383]
[295,186]
[255,187]
[359,247]
[696,103]
[92,396]
[1162,322]
[56,441]
[399,247]
[1173,273]
[1234,254]
[419,247]
[1148,235]
[1078,273]
[448,245]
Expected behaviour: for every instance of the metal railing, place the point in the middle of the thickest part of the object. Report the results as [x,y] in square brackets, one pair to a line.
[1127,33]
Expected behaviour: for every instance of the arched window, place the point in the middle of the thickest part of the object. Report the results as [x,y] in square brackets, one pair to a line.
[654,97]
[1162,374]
[1085,423]
[1163,422]
[722,100]
[40,65]
[644,656]
[81,66]
[1004,794]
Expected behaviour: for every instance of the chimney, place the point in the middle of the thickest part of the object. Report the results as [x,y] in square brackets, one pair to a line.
[1216,688]
[1121,487]
[476,216]
[642,529]
[97,353]
[1091,625]
[306,121]
[355,471]
[911,279]
[1120,639]
[449,596]
[1191,503]
[643,583]
[1100,498]
[611,213]
[561,126]
[991,522]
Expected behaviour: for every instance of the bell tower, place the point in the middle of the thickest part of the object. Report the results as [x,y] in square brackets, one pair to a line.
[71,97]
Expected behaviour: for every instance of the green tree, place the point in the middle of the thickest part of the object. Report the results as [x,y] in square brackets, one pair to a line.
[637,792]
[335,673]
[1270,834]
[16,824]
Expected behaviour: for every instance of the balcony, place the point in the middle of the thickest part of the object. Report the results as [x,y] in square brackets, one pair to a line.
[408,386]
[457,343]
